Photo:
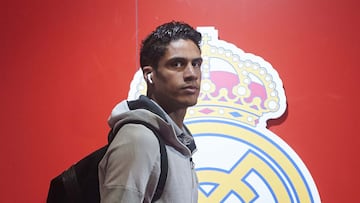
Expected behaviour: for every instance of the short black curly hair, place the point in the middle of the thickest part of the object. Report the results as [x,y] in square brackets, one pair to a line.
[153,47]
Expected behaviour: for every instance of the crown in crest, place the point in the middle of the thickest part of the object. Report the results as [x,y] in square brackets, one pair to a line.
[236,85]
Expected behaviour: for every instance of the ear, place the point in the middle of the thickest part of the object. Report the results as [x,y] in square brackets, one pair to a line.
[146,71]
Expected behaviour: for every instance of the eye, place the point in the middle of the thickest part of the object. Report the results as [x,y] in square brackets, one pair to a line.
[177,64]
[196,63]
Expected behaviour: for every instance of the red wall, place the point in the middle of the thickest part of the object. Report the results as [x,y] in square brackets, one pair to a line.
[64,64]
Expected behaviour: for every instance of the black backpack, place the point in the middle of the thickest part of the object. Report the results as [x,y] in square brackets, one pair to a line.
[80,183]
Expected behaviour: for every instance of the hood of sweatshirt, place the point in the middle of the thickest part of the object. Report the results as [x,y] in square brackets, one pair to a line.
[147,111]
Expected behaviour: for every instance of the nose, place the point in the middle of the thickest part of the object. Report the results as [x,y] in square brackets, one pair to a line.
[191,72]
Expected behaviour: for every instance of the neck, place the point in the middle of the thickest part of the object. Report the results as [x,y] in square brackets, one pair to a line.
[178,117]
[176,114]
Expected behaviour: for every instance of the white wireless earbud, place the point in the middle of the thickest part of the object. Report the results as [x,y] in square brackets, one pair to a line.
[149,78]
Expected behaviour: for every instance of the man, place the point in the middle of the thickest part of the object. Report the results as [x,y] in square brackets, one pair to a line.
[170,59]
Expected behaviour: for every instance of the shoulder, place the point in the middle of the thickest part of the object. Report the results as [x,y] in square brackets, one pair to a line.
[135,146]
[135,139]
[136,132]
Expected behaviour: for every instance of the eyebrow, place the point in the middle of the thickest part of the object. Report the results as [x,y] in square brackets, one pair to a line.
[198,59]
[182,59]
[185,59]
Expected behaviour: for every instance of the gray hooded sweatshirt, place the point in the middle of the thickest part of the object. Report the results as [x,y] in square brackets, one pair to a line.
[130,169]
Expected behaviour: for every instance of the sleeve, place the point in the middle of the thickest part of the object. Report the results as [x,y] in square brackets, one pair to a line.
[129,170]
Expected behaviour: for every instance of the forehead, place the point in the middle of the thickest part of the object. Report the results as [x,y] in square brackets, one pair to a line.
[182,48]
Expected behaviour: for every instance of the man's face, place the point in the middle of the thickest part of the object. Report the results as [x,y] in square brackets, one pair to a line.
[178,76]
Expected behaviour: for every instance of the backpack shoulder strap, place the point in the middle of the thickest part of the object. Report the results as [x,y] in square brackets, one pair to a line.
[163,159]
[163,164]
[145,103]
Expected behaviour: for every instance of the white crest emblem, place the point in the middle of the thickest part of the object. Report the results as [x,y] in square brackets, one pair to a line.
[238,158]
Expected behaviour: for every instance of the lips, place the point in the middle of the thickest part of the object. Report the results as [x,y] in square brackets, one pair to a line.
[190,89]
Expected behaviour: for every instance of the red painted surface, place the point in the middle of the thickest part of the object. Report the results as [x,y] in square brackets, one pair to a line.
[64,64]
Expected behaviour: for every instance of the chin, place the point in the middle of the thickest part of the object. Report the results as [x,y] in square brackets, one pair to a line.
[191,103]
[188,101]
